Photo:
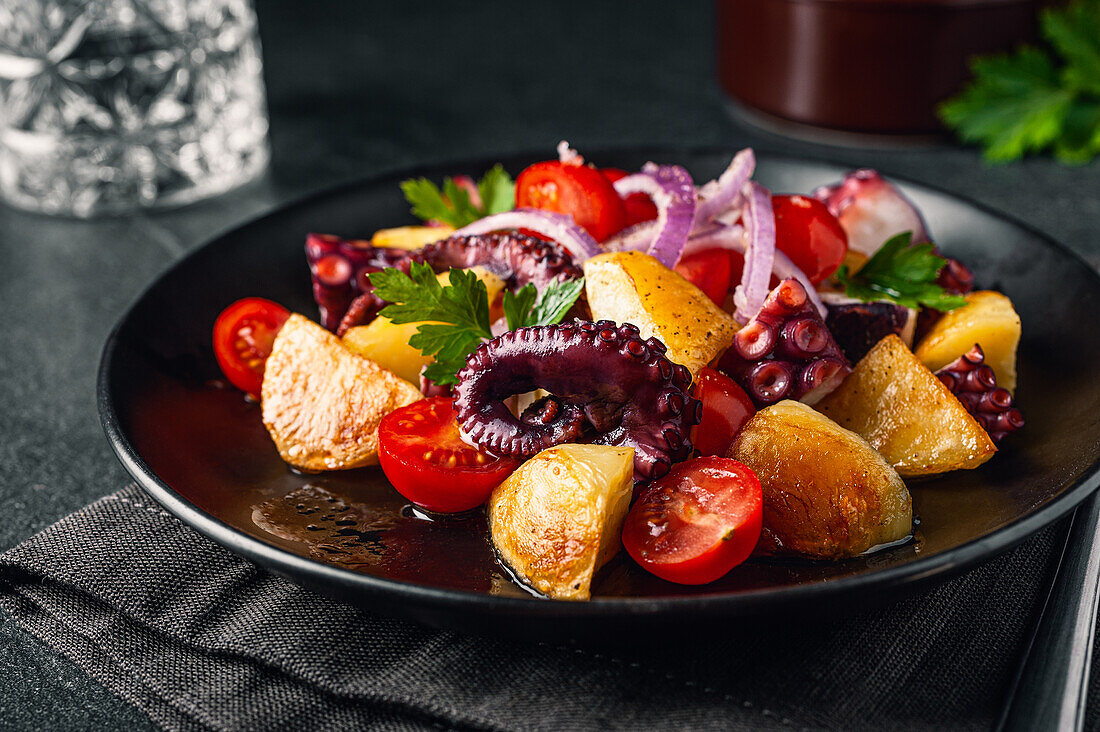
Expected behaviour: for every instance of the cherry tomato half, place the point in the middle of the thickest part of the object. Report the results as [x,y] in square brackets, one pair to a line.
[696,523]
[639,206]
[243,335]
[709,270]
[578,190]
[422,454]
[811,236]
[726,409]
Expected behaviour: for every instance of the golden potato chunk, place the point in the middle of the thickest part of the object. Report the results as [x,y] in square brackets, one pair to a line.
[410,237]
[827,493]
[388,346]
[632,287]
[987,319]
[895,403]
[559,517]
[387,343]
[322,403]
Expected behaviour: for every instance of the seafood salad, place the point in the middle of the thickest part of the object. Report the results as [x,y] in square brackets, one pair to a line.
[605,360]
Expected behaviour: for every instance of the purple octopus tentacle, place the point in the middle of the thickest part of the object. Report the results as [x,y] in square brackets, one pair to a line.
[341,268]
[515,258]
[972,380]
[609,387]
[785,351]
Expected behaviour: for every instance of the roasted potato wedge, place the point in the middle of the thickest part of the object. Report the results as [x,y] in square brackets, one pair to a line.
[827,493]
[895,403]
[387,343]
[632,287]
[559,517]
[987,319]
[410,237]
[322,403]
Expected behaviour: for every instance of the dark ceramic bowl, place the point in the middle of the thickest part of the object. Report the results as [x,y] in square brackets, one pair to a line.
[203,453]
[869,66]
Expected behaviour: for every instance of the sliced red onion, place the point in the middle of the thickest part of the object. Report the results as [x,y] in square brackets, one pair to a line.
[673,192]
[719,236]
[871,210]
[759,220]
[726,191]
[559,227]
[636,238]
[733,238]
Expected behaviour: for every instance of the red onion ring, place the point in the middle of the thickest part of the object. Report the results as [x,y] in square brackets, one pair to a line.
[559,227]
[636,238]
[717,237]
[723,193]
[759,221]
[673,192]
[733,238]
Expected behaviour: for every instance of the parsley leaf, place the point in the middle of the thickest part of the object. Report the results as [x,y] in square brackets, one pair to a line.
[522,309]
[903,272]
[457,315]
[498,192]
[427,200]
[1017,105]
[1027,102]
[452,204]
[518,306]
[555,301]
[1075,33]
[454,319]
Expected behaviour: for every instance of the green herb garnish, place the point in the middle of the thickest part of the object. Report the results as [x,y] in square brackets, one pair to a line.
[523,309]
[452,205]
[903,272]
[459,311]
[1028,102]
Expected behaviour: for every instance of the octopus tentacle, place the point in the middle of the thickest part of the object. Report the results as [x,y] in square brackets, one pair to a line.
[608,387]
[515,258]
[341,268]
[972,380]
[786,351]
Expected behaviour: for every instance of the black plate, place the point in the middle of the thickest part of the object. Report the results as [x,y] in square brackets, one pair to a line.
[204,454]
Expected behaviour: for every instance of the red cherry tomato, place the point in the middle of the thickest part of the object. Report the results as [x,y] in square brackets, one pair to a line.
[422,454]
[811,236]
[726,409]
[709,270]
[577,190]
[639,206]
[696,523]
[243,335]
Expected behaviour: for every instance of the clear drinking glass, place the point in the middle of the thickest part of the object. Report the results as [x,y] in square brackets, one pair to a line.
[107,106]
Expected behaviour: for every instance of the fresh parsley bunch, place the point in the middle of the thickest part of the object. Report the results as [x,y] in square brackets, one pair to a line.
[453,206]
[903,272]
[1028,102]
[458,313]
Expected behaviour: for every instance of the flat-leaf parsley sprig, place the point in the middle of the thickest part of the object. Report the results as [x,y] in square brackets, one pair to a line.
[457,314]
[452,204]
[903,272]
[1028,101]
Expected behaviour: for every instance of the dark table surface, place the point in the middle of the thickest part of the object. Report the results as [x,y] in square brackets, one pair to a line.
[356,92]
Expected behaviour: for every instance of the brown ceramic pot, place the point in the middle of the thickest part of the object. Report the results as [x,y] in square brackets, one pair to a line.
[871,66]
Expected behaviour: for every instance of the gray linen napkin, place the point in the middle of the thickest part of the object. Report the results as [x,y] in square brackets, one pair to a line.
[199,638]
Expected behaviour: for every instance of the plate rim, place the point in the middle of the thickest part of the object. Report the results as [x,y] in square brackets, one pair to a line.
[286,563]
